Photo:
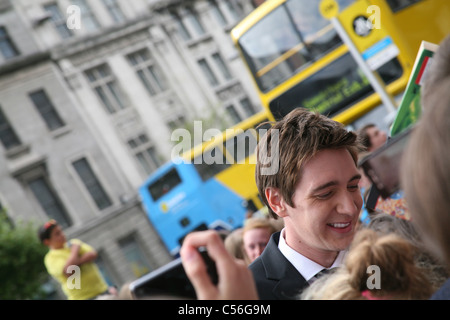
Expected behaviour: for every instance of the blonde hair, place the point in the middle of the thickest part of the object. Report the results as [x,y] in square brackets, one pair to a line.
[400,278]
[258,223]
[234,244]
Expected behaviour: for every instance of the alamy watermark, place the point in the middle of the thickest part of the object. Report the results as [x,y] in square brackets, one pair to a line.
[375,16]
[73,17]
[239,150]
[363,25]
[374,280]
[74,280]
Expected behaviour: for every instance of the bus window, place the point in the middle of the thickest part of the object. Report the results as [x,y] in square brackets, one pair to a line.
[307,18]
[210,163]
[273,38]
[262,127]
[333,88]
[164,184]
[286,41]
[242,146]
[397,5]
[317,32]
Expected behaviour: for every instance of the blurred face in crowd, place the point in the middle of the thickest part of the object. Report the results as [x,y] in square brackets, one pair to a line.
[255,240]
[57,238]
[377,137]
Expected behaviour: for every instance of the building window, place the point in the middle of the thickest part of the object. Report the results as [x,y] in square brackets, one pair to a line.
[177,123]
[114,10]
[46,109]
[222,66]
[192,18]
[8,136]
[58,20]
[217,13]
[105,85]
[181,28]
[105,269]
[233,114]
[188,23]
[7,47]
[148,71]
[92,184]
[49,201]
[218,64]
[134,256]
[235,9]
[207,71]
[88,19]
[247,106]
[145,153]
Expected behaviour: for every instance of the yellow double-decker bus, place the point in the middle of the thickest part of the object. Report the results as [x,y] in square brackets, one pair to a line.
[297,59]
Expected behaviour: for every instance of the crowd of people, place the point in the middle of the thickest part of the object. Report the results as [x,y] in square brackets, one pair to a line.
[317,241]
[314,193]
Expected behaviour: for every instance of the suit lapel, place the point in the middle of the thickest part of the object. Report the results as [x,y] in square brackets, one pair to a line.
[278,268]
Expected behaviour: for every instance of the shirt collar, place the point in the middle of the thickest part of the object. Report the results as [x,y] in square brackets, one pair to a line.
[306,267]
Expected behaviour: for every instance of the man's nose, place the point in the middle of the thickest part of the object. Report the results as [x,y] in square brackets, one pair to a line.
[348,204]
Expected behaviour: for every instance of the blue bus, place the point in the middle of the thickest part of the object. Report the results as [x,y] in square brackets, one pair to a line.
[185,196]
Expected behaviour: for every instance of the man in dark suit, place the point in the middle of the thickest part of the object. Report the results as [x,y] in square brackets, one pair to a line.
[278,279]
[307,175]
[313,187]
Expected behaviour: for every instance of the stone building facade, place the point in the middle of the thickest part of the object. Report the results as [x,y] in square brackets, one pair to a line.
[90,92]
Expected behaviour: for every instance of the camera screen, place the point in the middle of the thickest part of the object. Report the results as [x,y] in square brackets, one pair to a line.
[170,281]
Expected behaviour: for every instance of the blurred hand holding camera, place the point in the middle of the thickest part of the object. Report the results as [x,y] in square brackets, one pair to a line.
[235,279]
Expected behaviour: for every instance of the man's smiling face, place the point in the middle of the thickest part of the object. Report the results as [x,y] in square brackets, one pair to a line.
[326,204]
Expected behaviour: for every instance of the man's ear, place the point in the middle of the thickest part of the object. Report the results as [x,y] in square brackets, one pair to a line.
[276,201]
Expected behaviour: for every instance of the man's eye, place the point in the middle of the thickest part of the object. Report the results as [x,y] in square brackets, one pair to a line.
[353,188]
[324,195]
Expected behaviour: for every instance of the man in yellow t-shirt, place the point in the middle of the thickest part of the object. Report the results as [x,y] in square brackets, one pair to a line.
[72,264]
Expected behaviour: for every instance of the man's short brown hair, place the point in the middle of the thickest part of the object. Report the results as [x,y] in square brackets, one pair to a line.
[301,134]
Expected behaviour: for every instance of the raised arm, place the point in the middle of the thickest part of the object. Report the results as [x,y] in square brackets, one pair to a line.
[76,259]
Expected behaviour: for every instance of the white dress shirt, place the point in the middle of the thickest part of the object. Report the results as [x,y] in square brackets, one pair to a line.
[307,268]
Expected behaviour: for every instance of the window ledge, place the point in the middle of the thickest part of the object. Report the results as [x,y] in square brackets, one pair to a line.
[20,167]
[199,39]
[60,131]
[17,151]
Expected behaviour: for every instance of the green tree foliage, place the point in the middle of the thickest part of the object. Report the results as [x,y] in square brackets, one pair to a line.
[22,270]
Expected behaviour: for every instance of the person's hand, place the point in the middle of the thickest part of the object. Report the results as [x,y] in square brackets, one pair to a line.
[74,247]
[113,290]
[235,279]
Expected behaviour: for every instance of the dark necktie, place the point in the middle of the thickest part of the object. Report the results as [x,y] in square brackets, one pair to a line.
[323,272]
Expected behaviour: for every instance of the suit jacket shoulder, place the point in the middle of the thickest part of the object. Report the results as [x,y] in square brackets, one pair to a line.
[275,277]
